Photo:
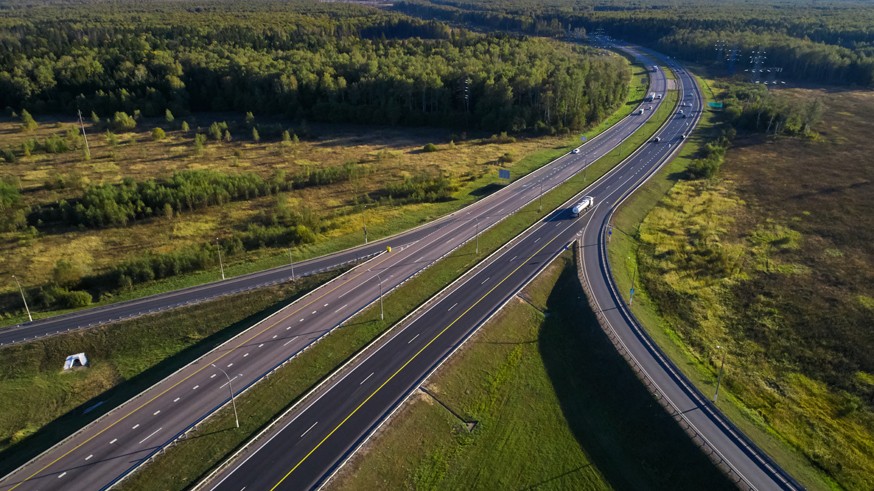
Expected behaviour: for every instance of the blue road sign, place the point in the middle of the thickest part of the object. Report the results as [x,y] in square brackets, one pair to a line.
[632,291]
[503,173]
[583,138]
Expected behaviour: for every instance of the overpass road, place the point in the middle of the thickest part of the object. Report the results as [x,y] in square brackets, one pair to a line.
[311,441]
[108,449]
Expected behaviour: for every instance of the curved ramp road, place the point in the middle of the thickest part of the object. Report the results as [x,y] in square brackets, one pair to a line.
[311,440]
[111,447]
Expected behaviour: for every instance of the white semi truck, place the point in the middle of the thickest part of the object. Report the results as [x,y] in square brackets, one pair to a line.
[584,204]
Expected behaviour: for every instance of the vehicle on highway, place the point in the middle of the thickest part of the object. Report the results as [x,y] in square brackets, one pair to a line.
[658,96]
[584,204]
[576,150]
[656,139]
[650,97]
[640,111]
[682,137]
[649,108]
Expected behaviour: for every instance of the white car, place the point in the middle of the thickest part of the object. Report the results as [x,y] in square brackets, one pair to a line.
[576,150]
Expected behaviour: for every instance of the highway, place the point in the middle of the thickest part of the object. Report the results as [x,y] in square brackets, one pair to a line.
[108,449]
[312,440]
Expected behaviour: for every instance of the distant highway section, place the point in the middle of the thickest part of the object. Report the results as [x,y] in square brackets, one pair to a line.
[110,448]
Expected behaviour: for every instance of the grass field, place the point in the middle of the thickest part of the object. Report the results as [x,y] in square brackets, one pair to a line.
[389,154]
[555,407]
[40,403]
[190,459]
[772,260]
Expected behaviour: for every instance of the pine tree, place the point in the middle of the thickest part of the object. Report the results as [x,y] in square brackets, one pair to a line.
[255,136]
[185,126]
[168,116]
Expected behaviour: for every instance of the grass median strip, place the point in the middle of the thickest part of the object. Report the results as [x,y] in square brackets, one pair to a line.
[190,459]
[554,406]
[40,404]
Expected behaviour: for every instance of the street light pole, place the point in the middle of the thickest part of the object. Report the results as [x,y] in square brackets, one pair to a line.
[381,309]
[221,266]
[365,224]
[231,390]
[30,317]
[477,234]
[291,261]
[540,208]
[719,378]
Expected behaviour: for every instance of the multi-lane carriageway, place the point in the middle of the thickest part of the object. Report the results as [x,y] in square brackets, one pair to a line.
[108,449]
[312,440]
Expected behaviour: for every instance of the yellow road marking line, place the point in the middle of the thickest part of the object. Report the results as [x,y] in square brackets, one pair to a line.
[413,358]
[226,353]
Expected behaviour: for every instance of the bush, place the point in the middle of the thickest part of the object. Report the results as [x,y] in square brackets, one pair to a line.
[158,134]
[9,156]
[27,121]
[122,121]
[430,147]
[506,158]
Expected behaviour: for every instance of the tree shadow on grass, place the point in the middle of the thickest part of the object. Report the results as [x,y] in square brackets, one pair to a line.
[623,429]
[72,421]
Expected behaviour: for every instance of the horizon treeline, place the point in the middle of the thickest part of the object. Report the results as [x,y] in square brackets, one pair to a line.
[827,42]
[349,64]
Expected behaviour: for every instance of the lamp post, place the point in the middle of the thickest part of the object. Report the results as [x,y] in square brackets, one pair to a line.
[540,207]
[719,378]
[231,390]
[477,234]
[291,261]
[221,266]
[30,317]
[381,309]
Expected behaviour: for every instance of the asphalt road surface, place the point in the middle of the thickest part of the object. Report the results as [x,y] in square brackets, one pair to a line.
[313,439]
[111,447]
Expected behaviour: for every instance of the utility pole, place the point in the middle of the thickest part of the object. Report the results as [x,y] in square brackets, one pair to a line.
[719,378]
[30,317]
[365,224]
[381,309]
[291,261]
[221,266]
[231,390]
[540,208]
[84,137]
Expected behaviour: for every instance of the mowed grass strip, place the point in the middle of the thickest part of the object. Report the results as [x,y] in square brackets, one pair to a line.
[390,153]
[554,405]
[190,459]
[41,404]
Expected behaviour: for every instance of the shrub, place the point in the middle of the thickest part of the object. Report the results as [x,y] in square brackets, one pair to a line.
[27,121]
[122,121]
[430,147]
[158,134]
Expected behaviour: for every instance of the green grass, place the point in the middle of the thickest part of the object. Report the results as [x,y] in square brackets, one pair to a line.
[346,229]
[193,457]
[764,244]
[556,408]
[40,404]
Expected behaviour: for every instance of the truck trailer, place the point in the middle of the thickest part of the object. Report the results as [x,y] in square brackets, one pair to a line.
[584,204]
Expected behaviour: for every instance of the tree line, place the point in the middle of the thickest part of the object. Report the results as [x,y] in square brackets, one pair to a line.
[117,205]
[348,65]
[832,43]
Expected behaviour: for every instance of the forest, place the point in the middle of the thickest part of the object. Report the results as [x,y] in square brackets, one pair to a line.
[825,42]
[300,60]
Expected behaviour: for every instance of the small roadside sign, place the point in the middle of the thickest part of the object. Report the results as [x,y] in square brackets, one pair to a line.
[504,174]
[583,138]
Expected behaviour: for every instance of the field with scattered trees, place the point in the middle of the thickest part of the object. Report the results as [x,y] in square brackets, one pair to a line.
[251,129]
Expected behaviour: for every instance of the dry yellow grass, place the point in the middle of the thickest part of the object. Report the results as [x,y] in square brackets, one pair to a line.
[389,153]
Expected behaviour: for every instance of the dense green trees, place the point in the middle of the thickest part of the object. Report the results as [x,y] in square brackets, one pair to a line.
[831,43]
[345,65]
